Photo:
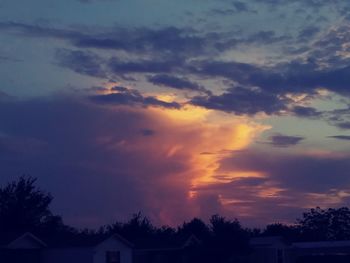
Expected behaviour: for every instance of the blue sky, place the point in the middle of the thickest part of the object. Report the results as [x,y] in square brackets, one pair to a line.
[196,107]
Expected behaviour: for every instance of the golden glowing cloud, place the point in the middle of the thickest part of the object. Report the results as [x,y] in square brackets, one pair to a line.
[205,141]
[185,149]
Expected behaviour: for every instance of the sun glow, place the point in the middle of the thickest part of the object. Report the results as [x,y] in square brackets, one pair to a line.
[212,142]
[192,141]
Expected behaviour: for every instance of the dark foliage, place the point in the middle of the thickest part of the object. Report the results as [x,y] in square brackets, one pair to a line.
[23,207]
[289,232]
[329,224]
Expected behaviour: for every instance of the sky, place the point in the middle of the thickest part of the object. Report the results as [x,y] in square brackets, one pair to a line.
[177,109]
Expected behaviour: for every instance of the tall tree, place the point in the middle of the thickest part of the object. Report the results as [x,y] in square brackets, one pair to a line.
[229,240]
[24,207]
[329,224]
[195,227]
[139,226]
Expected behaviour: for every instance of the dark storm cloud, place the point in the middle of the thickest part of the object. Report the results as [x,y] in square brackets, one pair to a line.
[242,101]
[90,64]
[331,47]
[293,77]
[82,62]
[306,112]
[170,39]
[341,137]
[239,100]
[265,37]
[339,118]
[333,79]
[343,125]
[240,6]
[280,140]
[299,173]
[308,33]
[306,3]
[322,67]
[96,161]
[175,82]
[144,66]
[268,99]
[173,41]
[131,97]
[240,72]
[167,41]
[175,51]
[181,41]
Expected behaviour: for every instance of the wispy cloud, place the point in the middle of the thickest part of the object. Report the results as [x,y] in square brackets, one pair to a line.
[341,137]
[280,140]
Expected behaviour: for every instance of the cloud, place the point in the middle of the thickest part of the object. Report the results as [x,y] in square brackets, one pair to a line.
[8,59]
[298,172]
[148,132]
[163,42]
[130,97]
[306,112]
[242,101]
[223,12]
[95,159]
[312,3]
[341,137]
[169,40]
[30,30]
[343,125]
[240,6]
[175,82]
[3,95]
[308,32]
[118,66]
[339,118]
[280,140]
[292,77]
[90,64]
[91,1]
[166,39]
[82,62]
[323,64]
[261,186]
[163,54]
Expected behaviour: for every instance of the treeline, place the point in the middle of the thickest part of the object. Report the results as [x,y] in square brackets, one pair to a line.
[25,208]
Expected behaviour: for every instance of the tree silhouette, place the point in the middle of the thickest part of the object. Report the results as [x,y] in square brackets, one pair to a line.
[24,207]
[195,227]
[229,240]
[329,224]
[137,227]
[289,232]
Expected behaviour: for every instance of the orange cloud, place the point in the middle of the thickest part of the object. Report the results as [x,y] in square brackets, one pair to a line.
[191,139]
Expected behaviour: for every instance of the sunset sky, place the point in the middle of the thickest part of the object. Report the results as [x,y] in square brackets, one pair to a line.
[177,108]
